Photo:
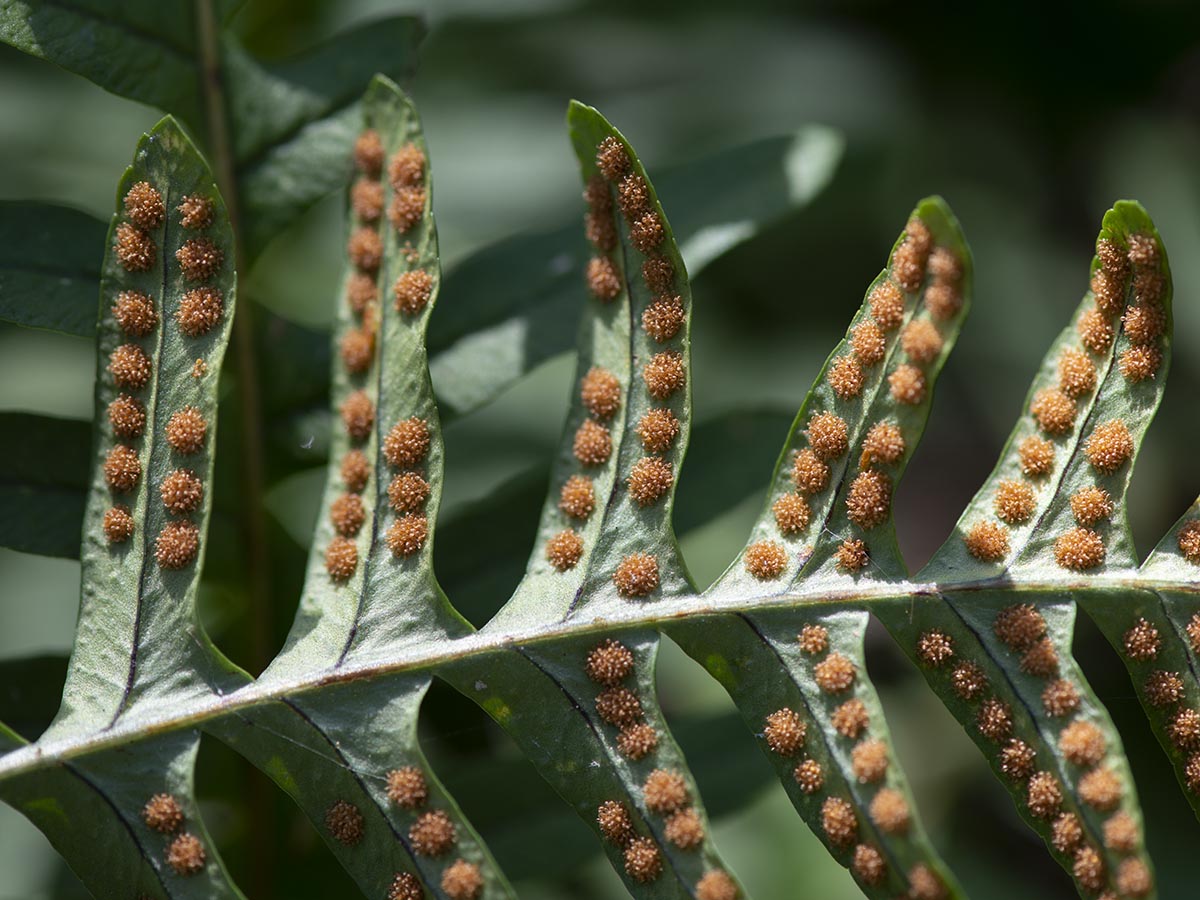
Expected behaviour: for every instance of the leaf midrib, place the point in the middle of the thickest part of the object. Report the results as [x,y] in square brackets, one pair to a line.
[156,444]
[1018,558]
[1039,722]
[881,840]
[613,500]
[36,756]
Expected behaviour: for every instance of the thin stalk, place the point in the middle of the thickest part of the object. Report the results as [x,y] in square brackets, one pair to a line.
[252,525]
[432,656]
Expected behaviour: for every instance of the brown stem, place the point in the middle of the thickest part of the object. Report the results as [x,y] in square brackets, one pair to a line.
[252,525]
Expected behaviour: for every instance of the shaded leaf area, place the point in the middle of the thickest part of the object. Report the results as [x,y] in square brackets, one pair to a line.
[822,725]
[96,813]
[286,126]
[513,305]
[43,483]
[822,728]
[30,690]
[495,785]
[48,265]
[1156,632]
[140,50]
[349,758]
[644,807]
[294,122]
[1040,738]
[1053,511]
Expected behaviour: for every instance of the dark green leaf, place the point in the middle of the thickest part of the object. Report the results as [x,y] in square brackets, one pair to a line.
[48,267]
[43,483]
[513,305]
[143,50]
[294,123]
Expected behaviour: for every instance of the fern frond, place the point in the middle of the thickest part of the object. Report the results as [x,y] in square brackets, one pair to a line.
[567,666]
[1049,520]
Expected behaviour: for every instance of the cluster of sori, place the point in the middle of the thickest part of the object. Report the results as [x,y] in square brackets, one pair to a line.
[432,834]
[185,852]
[406,445]
[136,314]
[664,375]
[868,499]
[1164,690]
[1053,410]
[665,792]
[1081,742]
[785,733]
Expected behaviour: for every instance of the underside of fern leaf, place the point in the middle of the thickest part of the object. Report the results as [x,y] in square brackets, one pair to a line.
[1156,630]
[349,756]
[126,819]
[605,540]
[826,527]
[994,637]
[567,666]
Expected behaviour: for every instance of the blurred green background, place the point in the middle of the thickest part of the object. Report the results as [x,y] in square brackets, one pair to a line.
[1028,126]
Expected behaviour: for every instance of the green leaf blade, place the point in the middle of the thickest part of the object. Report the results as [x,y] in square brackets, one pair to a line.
[131,599]
[881,376]
[48,267]
[43,489]
[826,739]
[1053,513]
[141,50]
[380,382]
[1068,426]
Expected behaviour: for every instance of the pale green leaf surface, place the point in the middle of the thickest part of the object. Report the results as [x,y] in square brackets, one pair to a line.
[747,652]
[541,690]
[139,641]
[612,339]
[972,592]
[812,550]
[128,600]
[338,747]
[388,599]
[1114,398]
